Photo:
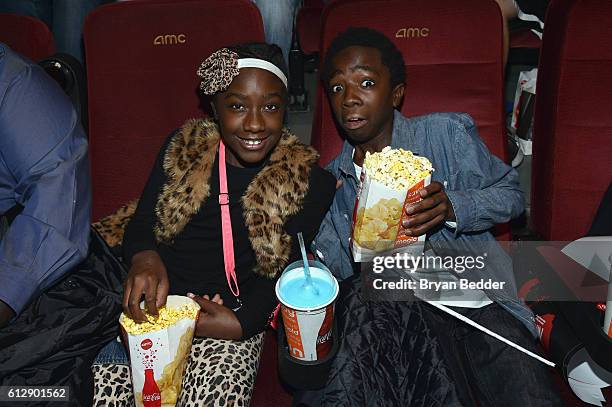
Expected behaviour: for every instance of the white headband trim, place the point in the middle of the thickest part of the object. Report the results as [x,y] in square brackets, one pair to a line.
[262,64]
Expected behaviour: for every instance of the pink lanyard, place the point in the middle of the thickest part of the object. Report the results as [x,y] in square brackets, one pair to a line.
[226,226]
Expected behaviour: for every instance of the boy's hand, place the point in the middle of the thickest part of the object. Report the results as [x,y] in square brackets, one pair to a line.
[147,277]
[216,320]
[434,209]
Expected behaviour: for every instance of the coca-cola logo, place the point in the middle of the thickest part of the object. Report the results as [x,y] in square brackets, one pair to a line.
[324,338]
[146,344]
[151,397]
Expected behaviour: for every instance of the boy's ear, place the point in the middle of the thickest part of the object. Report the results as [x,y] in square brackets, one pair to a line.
[398,94]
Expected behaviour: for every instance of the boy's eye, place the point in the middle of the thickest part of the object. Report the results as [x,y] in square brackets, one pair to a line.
[336,88]
[270,107]
[367,83]
[236,106]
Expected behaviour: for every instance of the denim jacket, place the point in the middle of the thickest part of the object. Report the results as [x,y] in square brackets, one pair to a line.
[481,188]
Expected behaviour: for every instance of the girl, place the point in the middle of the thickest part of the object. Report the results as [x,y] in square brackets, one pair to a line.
[218,220]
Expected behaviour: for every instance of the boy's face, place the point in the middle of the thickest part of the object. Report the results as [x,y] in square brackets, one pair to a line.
[361,96]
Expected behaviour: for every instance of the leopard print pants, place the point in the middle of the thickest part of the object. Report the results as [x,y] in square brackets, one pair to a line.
[219,373]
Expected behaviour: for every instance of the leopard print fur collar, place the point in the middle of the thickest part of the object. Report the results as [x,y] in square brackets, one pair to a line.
[276,192]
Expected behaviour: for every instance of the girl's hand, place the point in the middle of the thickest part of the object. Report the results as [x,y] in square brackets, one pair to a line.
[147,277]
[216,320]
[216,299]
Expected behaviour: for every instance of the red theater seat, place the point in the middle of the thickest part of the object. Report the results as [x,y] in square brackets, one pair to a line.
[453,60]
[572,142]
[142,58]
[26,35]
[524,47]
[308,25]
[524,38]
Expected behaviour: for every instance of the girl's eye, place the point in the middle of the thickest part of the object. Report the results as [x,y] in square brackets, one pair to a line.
[367,83]
[236,106]
[271,107]
[336,88]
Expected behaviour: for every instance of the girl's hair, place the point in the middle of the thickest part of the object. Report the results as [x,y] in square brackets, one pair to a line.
[390,56]
[261,50]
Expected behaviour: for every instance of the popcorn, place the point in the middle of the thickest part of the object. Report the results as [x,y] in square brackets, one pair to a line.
[165,318]
[397,169]
[377,225]
[391,180]
[159,351]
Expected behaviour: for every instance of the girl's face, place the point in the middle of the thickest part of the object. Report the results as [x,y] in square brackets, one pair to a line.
[250,115]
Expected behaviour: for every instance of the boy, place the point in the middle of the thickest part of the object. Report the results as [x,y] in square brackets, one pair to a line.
[471,191]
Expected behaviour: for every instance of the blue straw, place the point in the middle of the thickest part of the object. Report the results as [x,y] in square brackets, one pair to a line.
[308,282]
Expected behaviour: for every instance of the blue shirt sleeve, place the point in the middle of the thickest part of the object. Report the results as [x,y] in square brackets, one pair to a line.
[44,168]
[484,191]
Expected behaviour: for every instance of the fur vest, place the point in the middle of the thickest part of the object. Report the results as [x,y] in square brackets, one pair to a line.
[275,193]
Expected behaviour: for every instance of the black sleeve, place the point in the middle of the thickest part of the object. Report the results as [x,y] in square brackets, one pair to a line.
[260,301]
[139,234]
[316,204]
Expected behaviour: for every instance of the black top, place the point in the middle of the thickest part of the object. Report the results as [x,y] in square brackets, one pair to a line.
[194,261]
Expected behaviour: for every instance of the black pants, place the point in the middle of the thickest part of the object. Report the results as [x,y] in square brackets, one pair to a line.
[54,341]
[488,372]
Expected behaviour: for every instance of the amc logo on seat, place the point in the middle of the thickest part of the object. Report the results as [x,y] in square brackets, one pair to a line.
[412,32]
[170,39]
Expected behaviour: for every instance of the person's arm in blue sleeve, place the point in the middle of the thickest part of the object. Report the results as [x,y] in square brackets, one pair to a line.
[485,190]
[44,168]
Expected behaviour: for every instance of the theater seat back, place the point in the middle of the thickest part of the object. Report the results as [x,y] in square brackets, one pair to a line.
[453,58]
[572,137]
[26,35]
[142,58]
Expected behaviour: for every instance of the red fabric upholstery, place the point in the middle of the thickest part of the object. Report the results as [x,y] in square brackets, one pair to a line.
[453,61]
[142,58]
[26,35]
[308,26]
[524,38]
[572,146]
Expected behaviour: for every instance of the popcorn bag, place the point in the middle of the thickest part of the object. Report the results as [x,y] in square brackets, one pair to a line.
[390,181]
[159,351]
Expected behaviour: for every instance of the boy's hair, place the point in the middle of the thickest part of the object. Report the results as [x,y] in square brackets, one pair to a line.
[261,50]
[390,56]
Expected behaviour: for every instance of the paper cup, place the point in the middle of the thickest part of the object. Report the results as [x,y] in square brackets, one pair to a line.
[308,329]
[377,220]
[159,358]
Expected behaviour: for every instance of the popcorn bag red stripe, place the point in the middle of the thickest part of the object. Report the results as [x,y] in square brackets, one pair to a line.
[412,197]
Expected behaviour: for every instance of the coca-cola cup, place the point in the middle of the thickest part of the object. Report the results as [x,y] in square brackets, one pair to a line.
[159,351]
[307,311]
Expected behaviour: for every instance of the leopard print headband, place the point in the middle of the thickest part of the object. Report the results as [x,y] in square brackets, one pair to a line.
[219,70]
